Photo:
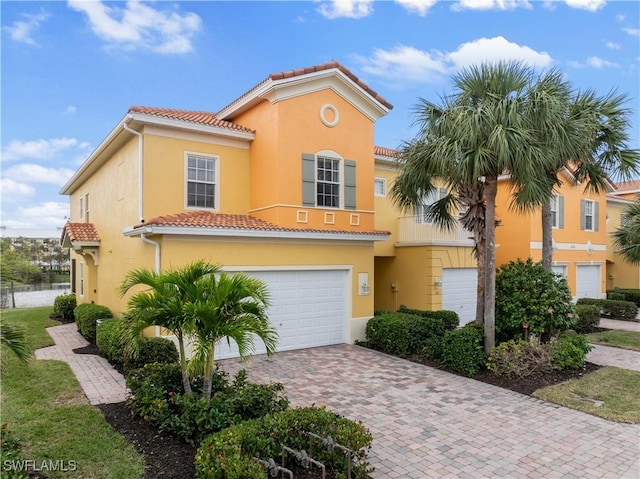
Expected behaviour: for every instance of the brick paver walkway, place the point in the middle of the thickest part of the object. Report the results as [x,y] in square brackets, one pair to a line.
[431,424]
[608,356]
[100,382]
[617,324]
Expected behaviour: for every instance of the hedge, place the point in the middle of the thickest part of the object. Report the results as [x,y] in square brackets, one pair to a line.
[152,350]
[624,294]
[588,317]
[463,350]
[86,315]
[625,310]
[229,454]
[450,319]
[64,305]
[404,334]
[110,339]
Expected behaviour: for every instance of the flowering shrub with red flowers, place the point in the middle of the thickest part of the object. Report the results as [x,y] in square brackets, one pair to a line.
[527,293]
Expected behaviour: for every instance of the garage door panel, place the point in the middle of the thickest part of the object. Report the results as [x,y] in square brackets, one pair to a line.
[308,309]
[459,292]
[588,282]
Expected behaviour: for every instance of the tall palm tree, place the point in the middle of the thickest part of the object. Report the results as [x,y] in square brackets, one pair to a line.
[627,236]
[163,304]
[13,338]
[489,126]
[232,308]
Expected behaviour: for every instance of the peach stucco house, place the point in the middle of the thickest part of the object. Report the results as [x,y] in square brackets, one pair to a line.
[285,184]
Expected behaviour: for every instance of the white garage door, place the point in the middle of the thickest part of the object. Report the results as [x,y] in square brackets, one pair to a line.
[459,292]
[308,309]
[588,281]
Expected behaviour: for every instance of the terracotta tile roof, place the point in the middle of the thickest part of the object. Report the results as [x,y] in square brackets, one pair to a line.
[626,186]
[382,151]
[313,69]
[80,232]
[199,117]
[206,219]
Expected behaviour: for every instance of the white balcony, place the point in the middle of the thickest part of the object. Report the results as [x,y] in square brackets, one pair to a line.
[415,230]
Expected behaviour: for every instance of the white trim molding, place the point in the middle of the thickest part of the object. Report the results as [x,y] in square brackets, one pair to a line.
[588,246]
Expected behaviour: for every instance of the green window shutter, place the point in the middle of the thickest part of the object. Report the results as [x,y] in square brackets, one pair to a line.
[595,216]
[560,211]
[582,219]
[308,179]
[350,184]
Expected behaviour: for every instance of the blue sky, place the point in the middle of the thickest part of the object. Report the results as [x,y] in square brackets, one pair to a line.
[71,70]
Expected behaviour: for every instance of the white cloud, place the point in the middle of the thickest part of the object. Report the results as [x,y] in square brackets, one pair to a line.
[591,5]
[497,49]
[38,174]
[421,7]
[346,8]
[612,45]
[36,150]
[42,215]
[621,18]
[593,62]
[70,110]
[632,31]
[407,63]
[137,25]
[490,5]
[13,191]
[23,30]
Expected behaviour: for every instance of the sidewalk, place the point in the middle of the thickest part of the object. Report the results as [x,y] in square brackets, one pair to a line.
[608,356]
[101,383]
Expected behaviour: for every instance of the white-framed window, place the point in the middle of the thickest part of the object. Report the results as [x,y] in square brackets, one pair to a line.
[81,278]
[201,181]
[328,182]
[86,208]
[82,208]
[589,215]
[380,186]
[625,219]
[421,210]
[554,211]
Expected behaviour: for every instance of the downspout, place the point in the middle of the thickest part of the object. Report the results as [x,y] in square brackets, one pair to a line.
[140,196]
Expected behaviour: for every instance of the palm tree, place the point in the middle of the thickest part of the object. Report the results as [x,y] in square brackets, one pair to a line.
[163,304]
[12,337]
[627,236]
[594,150]
[490,126]
[231,308]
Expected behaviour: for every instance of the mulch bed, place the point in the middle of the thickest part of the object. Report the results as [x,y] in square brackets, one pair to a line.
[168,457]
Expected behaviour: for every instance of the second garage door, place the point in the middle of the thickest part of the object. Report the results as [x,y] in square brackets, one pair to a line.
[588,281]
[308,309]
[459,292]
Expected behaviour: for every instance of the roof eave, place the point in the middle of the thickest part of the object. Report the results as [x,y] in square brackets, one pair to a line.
[186,125]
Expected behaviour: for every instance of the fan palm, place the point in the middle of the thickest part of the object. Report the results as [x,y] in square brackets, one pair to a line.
[231,307]
[164,304]
[488,127]
[12,337]
[627,236]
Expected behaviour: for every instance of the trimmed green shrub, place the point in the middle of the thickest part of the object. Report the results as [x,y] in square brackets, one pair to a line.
[519,359]
[588,317]
[403,334]
[64,305]
[624,310]
[569,351]
[463,350]
[152,350]
[229,454]
[618,296]
[110,339]
[157,396]
[86,315]
[632,295]
[450,319]
[529,295]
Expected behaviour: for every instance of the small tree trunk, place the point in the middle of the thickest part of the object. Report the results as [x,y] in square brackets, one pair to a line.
[491,190]
[481,270]
[183,367]
[208,376]
[547,236]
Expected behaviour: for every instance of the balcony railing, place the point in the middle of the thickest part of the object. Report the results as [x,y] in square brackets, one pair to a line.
[415,230]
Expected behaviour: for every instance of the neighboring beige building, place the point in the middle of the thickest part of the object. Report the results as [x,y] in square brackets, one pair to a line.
[620,273]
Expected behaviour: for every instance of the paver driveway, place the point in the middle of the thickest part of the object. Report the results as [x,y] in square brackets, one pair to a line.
[429,423]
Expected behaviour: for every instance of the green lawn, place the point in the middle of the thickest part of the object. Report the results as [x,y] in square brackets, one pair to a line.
[611,393]
[46,410]
[616,338]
